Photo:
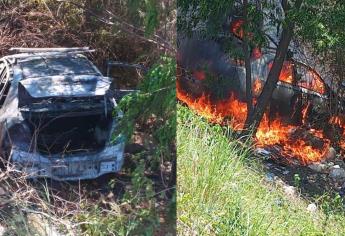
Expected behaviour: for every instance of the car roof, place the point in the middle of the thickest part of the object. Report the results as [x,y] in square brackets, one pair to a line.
[59,74]
[52,63]
[34,67]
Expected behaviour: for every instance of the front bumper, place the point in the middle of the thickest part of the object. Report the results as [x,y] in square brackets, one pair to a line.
[74,167]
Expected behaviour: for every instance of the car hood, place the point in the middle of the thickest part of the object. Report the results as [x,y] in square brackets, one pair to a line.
[66,86]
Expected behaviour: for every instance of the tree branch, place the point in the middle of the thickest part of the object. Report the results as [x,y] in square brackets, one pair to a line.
[128,28]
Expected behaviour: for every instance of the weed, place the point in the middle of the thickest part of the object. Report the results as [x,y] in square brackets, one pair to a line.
[220,194]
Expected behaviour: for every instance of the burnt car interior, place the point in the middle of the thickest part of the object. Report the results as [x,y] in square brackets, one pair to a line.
[67,125]
[69,135]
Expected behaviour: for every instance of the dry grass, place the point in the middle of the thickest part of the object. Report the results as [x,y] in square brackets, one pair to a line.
[59,24]
[112,205]
[21,198]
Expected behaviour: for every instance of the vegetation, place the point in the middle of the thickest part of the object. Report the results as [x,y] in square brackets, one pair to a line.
[222,189]
[155,99]
[320,26]
[154,102]
[140,200]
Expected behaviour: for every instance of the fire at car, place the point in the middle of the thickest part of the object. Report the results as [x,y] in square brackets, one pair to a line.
[295,124]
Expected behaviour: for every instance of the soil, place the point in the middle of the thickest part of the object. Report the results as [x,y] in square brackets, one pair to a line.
[311,184]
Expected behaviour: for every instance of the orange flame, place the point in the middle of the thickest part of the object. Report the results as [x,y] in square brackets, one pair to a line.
[236,28]
[216,111]
[268,133]
[276,132]
[339,120]
[313,82]
[335,120]
[257,87]
[305,113]
[285,73]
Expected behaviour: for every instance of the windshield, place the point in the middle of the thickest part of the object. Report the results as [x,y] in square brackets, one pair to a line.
[42,67]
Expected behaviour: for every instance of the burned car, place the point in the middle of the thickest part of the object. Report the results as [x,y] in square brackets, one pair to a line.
[210,66]
[296,77]
[57,115]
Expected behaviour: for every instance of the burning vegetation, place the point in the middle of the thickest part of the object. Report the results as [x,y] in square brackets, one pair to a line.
[295,142]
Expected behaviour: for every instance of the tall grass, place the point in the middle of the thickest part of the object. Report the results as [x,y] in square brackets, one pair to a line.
[220,192]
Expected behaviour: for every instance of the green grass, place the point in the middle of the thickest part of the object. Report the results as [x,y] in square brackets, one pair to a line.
[222,190]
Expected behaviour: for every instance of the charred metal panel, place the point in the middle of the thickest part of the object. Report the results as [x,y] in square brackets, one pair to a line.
[74,167]
[33,68]
[52,91]
[67,86]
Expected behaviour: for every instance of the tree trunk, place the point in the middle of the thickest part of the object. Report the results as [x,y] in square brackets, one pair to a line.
[253,120]
[247,64]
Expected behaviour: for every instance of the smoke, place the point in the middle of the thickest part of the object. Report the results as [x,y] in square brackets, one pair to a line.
[195,54]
